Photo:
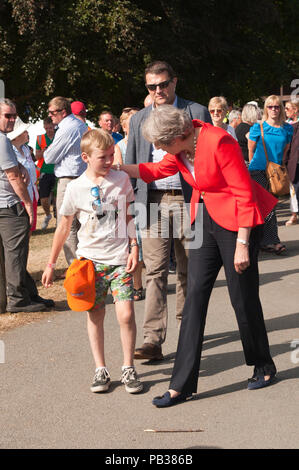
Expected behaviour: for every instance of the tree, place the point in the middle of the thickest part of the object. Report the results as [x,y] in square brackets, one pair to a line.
[96,51]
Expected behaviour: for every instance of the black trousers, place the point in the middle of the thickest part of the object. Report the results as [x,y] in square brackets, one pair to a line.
[14,231]
[218,248]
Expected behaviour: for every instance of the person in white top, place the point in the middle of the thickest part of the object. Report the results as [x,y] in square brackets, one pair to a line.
[100,198]
[19,138]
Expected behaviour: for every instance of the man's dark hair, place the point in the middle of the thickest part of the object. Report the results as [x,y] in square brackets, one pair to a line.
[47,120]
[158,67]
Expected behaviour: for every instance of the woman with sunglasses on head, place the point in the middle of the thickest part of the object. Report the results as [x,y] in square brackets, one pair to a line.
[218,108]
[292,111]
[277,136]
[120,157]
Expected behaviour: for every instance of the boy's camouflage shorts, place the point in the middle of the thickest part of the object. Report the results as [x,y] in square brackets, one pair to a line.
[115,277]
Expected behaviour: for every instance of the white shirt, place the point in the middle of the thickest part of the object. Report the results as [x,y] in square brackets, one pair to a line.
[170,182]
[27,162]
[103,240]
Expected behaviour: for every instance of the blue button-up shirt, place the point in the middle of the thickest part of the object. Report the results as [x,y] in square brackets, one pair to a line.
[65,150]
[170,182]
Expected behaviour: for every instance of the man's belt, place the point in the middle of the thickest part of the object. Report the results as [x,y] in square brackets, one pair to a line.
[170,192]
[68,177]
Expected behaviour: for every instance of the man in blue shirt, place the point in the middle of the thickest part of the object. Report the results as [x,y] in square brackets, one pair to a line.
[106,122]
[65,153]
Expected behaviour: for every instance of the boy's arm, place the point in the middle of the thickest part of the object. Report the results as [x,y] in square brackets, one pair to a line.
[133,245]
[60,236]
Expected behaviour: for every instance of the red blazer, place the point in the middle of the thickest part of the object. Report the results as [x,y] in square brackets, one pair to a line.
[231,197]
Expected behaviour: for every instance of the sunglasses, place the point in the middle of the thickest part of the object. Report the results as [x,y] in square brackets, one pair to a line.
[10,115]
[218,111]
[97,203]
[162,85]
[274,107]
[53,113]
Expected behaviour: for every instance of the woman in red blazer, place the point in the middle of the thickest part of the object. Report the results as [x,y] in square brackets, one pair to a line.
[234,207]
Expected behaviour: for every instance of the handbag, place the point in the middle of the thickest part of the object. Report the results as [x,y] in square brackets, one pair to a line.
[277,175]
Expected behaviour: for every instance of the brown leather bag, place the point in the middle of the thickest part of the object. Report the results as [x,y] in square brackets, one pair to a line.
[278,177]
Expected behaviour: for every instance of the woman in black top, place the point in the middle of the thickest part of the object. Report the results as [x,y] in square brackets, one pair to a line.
[250,115]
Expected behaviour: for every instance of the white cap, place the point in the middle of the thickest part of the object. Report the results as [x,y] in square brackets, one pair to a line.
[254,103]
[18,129]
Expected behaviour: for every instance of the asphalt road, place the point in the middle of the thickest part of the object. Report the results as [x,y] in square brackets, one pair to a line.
[47,370]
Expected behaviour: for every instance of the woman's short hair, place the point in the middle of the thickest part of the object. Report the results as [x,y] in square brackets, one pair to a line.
[274,100]
[165,123]
[61,103]
[96,138]
[219,101]
[251,113]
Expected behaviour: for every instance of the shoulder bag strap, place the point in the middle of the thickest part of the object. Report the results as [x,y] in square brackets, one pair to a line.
[262,134]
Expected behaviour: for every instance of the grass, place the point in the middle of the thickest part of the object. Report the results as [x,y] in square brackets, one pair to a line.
[40,246]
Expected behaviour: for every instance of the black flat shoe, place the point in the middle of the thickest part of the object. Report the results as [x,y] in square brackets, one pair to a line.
[166,400]
[259,382]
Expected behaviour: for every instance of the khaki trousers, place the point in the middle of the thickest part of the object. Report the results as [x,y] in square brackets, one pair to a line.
[71,243]
[156,245]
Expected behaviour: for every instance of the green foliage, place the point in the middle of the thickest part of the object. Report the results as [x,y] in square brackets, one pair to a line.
[96,51]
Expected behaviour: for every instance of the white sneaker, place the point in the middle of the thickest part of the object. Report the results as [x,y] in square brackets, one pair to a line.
[46,221]
[101,381]
[130,379]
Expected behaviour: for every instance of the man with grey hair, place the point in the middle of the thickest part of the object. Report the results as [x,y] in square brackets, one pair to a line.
[15,221]
[160,81]
[234,118]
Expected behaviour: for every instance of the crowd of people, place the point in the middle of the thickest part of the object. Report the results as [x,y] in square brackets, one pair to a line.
[189,160]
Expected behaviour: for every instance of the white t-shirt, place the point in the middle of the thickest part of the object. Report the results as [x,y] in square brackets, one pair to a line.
[103,239]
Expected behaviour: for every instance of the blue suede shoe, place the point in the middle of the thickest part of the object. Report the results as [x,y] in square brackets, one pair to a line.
[259,381]
[166,400]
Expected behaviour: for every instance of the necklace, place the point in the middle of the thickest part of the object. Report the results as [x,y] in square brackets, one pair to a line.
[191,156]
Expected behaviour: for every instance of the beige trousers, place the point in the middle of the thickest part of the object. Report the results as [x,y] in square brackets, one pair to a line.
[71,243]
[156,245]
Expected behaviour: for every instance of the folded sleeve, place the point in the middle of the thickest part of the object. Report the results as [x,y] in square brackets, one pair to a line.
[154,171]
[255,132]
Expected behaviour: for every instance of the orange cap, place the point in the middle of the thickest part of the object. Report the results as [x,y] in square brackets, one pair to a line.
[80,285]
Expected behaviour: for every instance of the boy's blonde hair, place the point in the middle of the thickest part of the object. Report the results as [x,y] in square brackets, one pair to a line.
[96,138]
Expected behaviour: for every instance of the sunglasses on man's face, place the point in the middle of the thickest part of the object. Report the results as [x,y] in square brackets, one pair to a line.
[53,113]
[162,85]
[274,107]
[10,115]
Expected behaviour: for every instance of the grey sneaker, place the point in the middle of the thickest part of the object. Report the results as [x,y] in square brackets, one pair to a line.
[101,381]
[130,380]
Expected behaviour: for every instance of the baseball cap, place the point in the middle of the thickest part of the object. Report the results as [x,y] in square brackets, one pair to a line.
[78,108]
[80,285]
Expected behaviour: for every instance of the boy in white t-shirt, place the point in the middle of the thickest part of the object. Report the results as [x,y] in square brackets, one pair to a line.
[100,198]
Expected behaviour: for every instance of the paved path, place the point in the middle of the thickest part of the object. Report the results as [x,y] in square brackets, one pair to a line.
[44,383]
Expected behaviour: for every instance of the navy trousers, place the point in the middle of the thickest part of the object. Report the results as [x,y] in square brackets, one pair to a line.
[217,250]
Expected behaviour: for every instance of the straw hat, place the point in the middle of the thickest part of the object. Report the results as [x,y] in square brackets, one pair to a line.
[18,129]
